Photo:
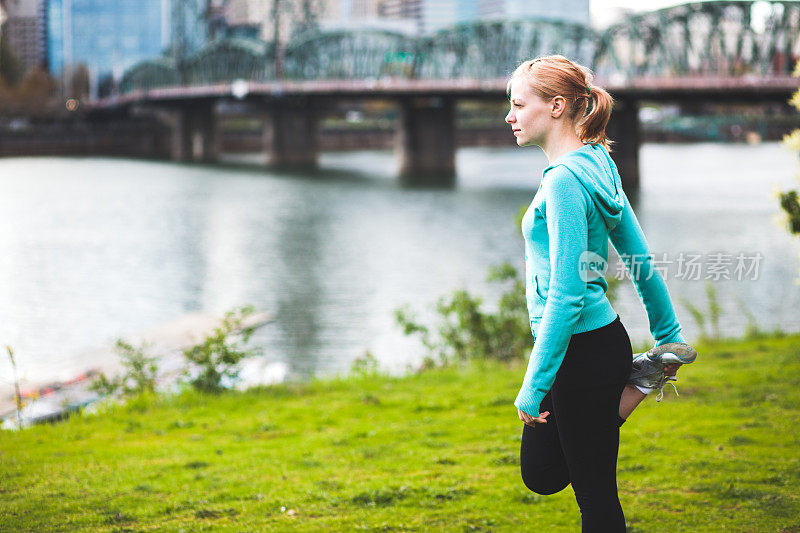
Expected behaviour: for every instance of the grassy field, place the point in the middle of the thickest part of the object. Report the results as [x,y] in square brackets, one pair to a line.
[438,451]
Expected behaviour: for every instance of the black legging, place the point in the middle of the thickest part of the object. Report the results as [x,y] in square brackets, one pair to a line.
[580,441]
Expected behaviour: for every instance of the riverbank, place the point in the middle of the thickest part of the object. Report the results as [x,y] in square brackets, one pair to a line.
[433,451]
[45,400]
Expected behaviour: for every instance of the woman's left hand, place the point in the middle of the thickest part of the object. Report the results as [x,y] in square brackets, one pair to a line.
[532,420]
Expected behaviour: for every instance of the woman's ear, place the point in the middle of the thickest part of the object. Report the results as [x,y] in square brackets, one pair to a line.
[558,106]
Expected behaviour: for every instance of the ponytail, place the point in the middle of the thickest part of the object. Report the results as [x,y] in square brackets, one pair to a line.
[592,126]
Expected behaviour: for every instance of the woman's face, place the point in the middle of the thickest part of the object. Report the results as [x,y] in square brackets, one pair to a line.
[530,115]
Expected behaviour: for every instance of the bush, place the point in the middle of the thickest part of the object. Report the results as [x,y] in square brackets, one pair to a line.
[467,332]
[139,376]
[788,200]
[365,366]
[216,359]
[714,312]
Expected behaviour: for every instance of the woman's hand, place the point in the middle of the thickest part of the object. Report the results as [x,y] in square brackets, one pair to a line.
[671,369]
[530,420]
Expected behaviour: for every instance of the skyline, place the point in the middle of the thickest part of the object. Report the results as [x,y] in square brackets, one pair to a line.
[604,13]
[601,11]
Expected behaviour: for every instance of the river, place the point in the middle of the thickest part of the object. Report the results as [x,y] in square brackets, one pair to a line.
[97,248]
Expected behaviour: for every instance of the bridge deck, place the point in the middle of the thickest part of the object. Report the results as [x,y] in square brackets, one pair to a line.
[645,88]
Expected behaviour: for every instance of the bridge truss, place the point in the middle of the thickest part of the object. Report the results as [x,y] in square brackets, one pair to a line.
[706,39]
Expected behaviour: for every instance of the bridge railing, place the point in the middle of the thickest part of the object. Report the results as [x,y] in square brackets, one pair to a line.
[724,38]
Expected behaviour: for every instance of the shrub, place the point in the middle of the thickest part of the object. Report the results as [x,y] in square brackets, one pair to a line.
[468,332]
[215,360]
[789,201]
[139,376]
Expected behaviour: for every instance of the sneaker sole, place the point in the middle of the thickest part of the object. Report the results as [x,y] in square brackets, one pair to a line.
[673,353]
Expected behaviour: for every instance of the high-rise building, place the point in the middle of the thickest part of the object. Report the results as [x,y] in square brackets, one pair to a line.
[353,14]
[569,10]
[409,11]
[259,19]
[106,36]
[360,8]
[24,31]
[256,18]
[437,15]
[432,15]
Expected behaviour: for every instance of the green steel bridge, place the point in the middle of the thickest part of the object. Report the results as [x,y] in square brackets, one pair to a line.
[727,50]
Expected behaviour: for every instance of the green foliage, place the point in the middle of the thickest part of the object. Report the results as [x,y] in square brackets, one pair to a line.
[35,95]
[365,366]
[139,376]
[699,318]
[752,330]
[216,359]
[521,213]
[468,332]
[713,313]
[613,286]
[714,309]
[11,69]
[789,202]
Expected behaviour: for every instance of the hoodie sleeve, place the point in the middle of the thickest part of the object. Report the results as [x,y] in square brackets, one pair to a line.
[630,243]
[566,208]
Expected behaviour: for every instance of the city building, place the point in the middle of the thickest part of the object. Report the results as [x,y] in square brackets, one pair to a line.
[256,18]
[433,15]
[568,10]
[407,11]
[353,14]
[107,37]
[24,30]
[259,19]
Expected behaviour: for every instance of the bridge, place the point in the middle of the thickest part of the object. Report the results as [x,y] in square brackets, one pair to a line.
[732,51]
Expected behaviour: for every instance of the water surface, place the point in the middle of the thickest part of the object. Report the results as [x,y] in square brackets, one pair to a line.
[97,248]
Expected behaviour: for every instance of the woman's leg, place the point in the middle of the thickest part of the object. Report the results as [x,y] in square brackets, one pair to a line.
[586,396]
[632,396]
[544,470]
[589,432]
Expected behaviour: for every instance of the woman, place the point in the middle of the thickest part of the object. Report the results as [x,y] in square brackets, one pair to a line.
[582,379]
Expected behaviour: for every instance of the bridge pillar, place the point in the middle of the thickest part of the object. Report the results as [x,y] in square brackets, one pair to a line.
[426,141]
[623,127]
[291,133]
[195,133]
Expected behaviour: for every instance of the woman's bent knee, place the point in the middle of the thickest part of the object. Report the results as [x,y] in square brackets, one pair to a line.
[542,485]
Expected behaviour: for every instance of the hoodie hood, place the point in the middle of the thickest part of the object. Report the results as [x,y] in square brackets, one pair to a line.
[598,174]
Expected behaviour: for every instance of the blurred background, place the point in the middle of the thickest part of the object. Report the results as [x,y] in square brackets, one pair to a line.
[328,161]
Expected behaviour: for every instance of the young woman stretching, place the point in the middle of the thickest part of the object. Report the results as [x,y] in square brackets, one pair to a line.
[582,379]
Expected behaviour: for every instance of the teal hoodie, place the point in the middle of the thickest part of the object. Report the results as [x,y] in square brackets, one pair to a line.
[578,207]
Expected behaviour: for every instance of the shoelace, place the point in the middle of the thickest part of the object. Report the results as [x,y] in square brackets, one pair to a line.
[666,379]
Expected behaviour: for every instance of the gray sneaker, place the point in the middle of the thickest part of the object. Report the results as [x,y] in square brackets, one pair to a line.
[648,367]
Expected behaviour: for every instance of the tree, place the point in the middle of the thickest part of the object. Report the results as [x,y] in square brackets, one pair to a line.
[79,83]
[789,200]
[34,96]
[11,69]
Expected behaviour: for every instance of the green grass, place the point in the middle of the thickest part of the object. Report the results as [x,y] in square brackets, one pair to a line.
[435,451]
